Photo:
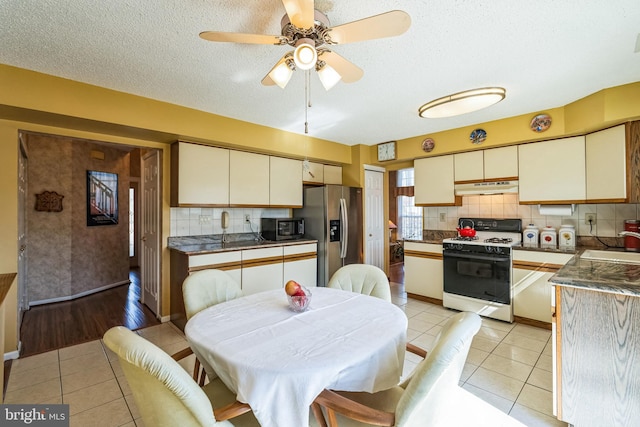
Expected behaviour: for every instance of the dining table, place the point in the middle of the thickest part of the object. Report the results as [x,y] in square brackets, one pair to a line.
[278,360]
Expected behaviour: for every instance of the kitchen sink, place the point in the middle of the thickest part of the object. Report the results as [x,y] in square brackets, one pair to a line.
[611,256]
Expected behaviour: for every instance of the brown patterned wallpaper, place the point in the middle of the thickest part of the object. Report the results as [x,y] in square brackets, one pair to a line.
[65,257]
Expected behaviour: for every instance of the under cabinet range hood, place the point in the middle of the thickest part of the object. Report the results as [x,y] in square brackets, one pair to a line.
[498,187]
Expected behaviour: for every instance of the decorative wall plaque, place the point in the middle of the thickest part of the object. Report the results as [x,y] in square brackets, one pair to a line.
[49,201]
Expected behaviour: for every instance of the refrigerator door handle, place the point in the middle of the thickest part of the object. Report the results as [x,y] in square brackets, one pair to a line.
[344,228]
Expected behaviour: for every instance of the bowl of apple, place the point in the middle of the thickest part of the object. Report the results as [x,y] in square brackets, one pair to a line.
[297,295]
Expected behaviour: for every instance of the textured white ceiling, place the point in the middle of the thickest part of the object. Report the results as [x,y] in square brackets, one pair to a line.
[546,53]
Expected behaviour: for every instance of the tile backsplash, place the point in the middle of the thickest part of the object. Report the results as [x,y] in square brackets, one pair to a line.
[205,221]
[609,217]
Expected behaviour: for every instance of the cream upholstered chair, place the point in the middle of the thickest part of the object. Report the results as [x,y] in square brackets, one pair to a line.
[363,279]
[205,288]
[201,290]
[430,397]
[368,280]
[165,393]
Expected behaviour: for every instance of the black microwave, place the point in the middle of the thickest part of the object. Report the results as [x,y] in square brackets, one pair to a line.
[282,228]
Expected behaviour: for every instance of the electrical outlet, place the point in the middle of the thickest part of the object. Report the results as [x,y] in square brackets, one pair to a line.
[204,219]
[443,217]
[590,218]
[247,218]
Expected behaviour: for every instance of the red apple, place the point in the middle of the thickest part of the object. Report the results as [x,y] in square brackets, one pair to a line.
[299,293]
[291,287]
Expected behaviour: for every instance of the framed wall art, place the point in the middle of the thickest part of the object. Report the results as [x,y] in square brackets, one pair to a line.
[102,198]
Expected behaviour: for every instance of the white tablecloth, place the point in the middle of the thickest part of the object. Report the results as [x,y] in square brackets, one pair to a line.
[278,360]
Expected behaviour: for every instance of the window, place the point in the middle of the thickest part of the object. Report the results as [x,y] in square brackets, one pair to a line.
[409,216]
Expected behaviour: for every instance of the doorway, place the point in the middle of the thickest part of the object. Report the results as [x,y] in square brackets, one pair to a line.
[374,229]
[130,308]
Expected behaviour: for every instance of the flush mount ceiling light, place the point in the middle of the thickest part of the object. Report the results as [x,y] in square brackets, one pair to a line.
[462,102]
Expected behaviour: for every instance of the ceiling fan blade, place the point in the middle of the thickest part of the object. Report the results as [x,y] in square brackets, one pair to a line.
[217,36]
[300,12]
[348,71]
[387,24]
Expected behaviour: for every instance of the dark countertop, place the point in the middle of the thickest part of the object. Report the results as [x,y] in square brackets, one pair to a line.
[601,276]
[196,246]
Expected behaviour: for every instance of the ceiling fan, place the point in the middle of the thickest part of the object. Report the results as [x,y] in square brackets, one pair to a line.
[308,31]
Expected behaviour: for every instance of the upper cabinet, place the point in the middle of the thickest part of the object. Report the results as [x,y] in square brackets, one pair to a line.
[248,179]
[332,174]
[552,172]
[493,164]
[317,173]
[434,182]
[606,160]
[285,191]
[200,175]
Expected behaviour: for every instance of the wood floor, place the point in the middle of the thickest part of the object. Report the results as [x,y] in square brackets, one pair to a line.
[57,325]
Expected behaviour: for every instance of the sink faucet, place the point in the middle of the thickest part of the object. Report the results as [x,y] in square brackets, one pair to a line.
[629,233]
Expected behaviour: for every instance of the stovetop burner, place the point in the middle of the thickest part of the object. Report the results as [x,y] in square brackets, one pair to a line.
[465,239]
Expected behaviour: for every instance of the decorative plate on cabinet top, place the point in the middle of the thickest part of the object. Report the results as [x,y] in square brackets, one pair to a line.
[478,136]
[428,144]
[540,123]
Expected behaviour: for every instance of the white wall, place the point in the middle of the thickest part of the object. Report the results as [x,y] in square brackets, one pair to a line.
[609,217]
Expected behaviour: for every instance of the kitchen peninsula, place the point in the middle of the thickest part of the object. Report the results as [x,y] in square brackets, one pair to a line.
[596,342]
[256,265]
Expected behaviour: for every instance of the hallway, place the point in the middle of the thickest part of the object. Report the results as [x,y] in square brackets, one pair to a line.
[64,324]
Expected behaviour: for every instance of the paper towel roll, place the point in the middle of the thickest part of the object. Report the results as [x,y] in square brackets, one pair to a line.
[557,210]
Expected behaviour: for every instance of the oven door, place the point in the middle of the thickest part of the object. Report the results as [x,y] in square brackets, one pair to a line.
[481,276]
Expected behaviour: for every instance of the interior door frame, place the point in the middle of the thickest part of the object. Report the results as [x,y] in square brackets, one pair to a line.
[156,306]
[22,247]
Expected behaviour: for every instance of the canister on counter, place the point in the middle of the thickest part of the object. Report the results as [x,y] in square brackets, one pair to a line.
[530,236]
[631,244]
[548,238]
[567,237]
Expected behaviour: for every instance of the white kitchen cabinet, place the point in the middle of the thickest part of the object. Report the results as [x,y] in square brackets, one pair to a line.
[469,166]
[301,264]
[332,174]
[501,163]
[423,267]
[552,172]
[434,182]
[200,175]
[285,184]
[262,269]
[606,165]
[487,165]
[532,291]
[248,179]
[313,173]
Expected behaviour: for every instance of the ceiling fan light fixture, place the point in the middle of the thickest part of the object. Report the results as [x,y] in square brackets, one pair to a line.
[282,72]
[305,54]
[462,102]
[329,77]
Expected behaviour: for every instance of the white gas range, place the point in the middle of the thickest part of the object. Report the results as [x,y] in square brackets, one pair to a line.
[478,270]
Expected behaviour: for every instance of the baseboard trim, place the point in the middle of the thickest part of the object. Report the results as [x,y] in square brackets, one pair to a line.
[80,295]
[425,299]
[12,355]
[532,322]
[165,319]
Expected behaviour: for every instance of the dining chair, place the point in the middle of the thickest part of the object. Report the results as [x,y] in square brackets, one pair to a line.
[201,290]
[368,280]
[165,393]
[363,279]
[431,396]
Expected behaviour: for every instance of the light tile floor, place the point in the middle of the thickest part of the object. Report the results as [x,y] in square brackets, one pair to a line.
[509,366]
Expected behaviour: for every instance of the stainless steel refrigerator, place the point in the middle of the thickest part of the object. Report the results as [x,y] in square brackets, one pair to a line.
[333,215]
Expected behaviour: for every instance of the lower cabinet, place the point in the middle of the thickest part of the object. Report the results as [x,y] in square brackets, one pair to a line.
[301,264]
[255,270]
[261,270]
[531,287]
[423,269]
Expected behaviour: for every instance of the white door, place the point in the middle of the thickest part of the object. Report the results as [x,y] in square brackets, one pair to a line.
[374,217]
[23,297]
[150,232]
